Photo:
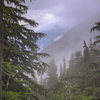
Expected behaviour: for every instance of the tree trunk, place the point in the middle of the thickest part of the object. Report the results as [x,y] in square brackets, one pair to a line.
[1,45]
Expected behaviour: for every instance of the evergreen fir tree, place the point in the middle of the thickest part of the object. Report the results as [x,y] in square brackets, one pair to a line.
[20,53]
[52,74]
[61,71]
[86,52]
[64,67]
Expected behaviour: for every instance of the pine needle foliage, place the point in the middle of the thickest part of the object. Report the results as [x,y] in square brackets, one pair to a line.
[20,54]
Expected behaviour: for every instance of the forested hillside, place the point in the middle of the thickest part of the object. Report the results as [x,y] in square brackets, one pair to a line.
[81,79]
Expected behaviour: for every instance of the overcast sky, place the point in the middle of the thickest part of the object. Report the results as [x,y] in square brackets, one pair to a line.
[56,17]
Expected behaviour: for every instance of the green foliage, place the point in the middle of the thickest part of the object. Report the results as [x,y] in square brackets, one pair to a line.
[9,95]
[20,54]
[82,77]
[11,69]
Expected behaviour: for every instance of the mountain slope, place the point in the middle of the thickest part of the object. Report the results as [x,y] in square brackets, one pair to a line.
[72,40]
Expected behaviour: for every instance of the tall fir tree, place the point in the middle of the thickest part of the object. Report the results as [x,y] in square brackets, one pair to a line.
[86,52]
[20,52]
[61,71]
[52,74]
[64,67]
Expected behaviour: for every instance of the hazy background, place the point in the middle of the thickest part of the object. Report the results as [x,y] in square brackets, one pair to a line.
[67,24]
[55,17]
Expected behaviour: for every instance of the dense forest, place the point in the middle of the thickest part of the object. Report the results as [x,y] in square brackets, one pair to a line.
[20,61]
[81,81]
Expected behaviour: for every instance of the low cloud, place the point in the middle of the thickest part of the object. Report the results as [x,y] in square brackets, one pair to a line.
[69,12]
[62,14]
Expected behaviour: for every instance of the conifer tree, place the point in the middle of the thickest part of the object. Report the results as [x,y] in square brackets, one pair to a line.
[64,67]
[20,57]
[86,52]
[61,71]
[52,74]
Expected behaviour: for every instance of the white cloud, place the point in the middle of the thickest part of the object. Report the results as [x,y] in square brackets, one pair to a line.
[36,14]
[49,16]
[63,13]
[47,20]
[57,38]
